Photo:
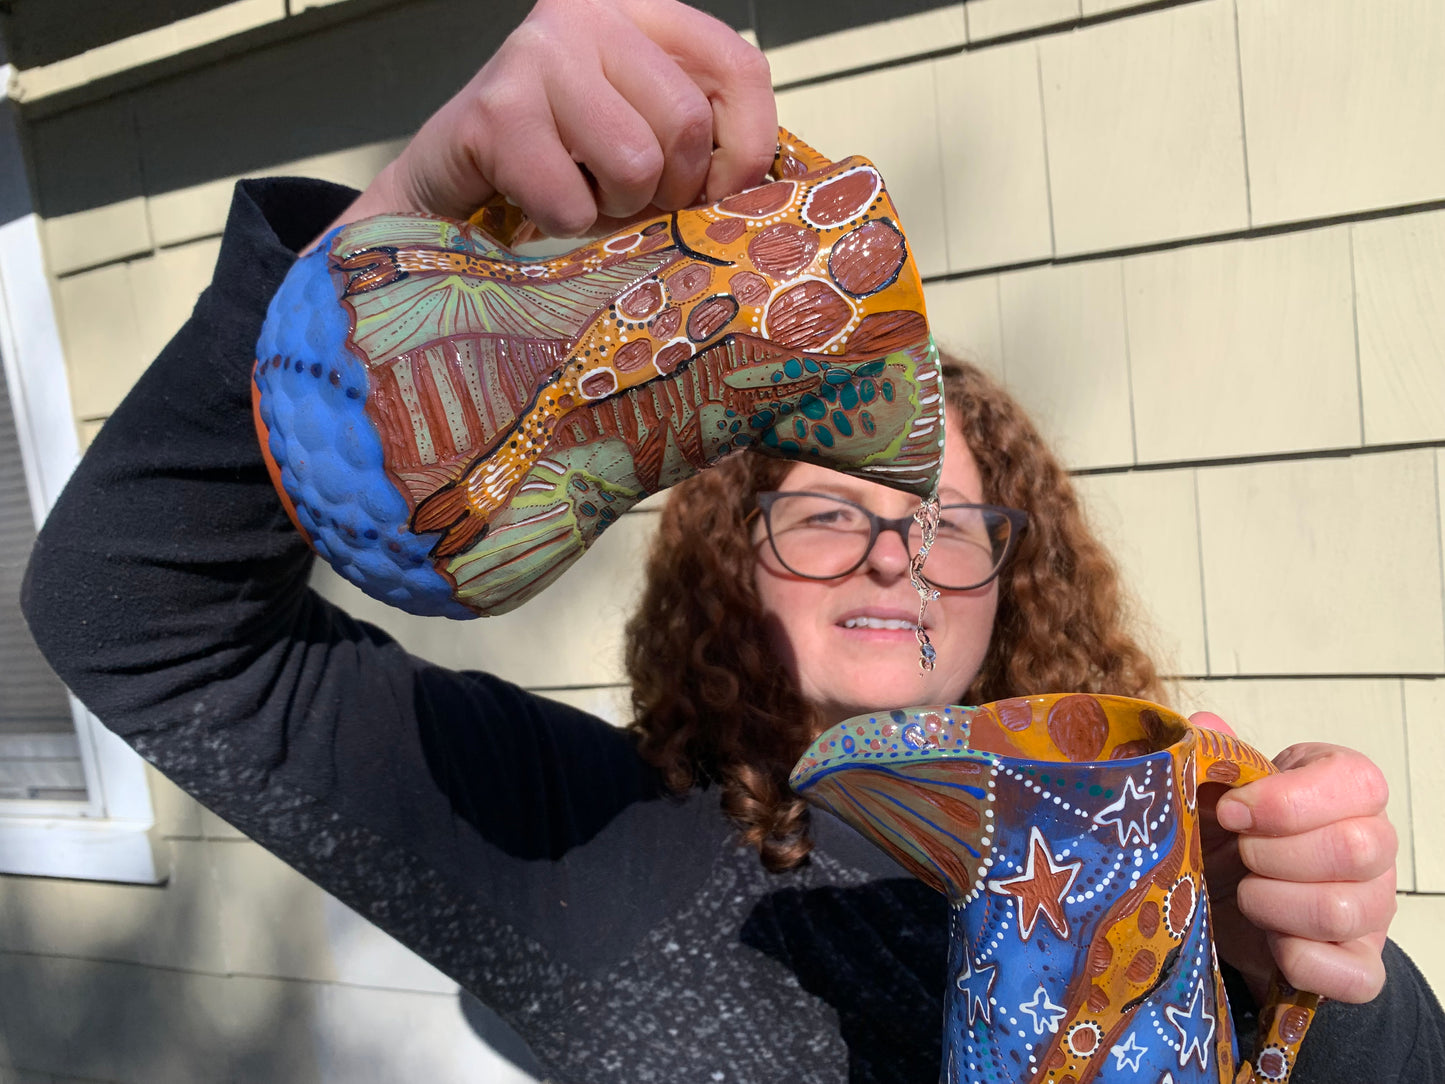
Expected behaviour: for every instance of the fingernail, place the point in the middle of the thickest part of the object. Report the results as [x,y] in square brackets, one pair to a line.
[1234,815]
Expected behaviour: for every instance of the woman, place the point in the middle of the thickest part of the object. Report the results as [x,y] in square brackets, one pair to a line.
[585,882]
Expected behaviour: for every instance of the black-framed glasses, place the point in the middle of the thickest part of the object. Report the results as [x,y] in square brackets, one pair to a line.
[820,536]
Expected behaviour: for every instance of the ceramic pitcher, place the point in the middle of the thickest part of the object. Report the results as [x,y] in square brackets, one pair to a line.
[451,423]
[1064,831]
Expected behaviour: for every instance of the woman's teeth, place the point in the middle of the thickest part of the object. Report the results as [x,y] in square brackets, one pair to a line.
[879,623]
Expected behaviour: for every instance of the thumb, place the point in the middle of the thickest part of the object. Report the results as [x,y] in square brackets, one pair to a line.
[1232,811]
[1209,721]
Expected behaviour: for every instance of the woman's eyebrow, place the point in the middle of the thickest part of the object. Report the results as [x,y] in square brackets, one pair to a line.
[859,495]
[833,489]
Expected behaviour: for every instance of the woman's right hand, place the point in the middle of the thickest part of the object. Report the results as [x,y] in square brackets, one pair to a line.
[593,111]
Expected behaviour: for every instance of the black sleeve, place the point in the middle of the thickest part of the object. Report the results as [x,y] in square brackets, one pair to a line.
[168,589]
[1398,1038]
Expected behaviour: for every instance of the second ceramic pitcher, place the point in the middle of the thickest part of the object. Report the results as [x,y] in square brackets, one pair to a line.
[1064,831]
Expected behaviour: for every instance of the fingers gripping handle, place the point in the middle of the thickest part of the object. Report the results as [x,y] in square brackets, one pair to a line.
[507,224]
[1286,1014]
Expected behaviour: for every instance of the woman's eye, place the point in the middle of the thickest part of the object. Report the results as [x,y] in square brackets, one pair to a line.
[956,527]
[964,529]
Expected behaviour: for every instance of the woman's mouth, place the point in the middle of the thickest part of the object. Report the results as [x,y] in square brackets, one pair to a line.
[885,622]
[879,623]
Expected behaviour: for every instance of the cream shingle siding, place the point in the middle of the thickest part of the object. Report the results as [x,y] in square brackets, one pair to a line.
[1201,241]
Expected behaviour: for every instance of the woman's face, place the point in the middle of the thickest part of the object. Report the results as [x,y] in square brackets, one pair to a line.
[842,666]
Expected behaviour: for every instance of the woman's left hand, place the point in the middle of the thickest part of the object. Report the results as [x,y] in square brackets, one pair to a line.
[1300,868]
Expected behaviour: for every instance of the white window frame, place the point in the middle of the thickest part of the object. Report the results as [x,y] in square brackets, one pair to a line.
[110,836]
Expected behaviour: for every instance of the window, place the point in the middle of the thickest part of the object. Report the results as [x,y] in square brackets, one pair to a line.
[74,801]
[39,754]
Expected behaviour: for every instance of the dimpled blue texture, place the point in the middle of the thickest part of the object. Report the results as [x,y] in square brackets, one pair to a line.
[330,454]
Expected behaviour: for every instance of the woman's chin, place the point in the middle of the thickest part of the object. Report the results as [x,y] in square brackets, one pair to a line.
[870,690]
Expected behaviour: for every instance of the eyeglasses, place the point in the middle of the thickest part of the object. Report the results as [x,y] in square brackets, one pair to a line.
[821,537]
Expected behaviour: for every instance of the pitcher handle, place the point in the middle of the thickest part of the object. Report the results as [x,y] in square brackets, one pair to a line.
[1286,1013]
[508,225]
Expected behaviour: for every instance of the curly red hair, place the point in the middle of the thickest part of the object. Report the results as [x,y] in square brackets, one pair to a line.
[713,704]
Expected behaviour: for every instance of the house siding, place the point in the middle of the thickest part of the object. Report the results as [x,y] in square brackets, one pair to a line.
[1202,241]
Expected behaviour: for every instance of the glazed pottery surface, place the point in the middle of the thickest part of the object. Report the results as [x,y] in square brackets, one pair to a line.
[451,424]
[1064,831]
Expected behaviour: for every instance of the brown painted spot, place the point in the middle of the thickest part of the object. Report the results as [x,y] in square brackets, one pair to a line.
[1293,1024]
[1148,918]
[670,357]
[791,167]
[688,281]
[667,323]
[1141,968]
[641,301]
[726,230]
[749,287]
[653,227]
[632,356]
[595,385]
[868,258]
[1222,771]
[1015,714]
[1083,1039]
[807,316]
[710,315]
[625,243]
[1272,1063]
[846,197]
[1100,953]
[1180,907]
[1056,1059]
[884,332]
[1079,727]
[980,721]
[783,250]
[1138,748]
[760,201]
[1098,1001]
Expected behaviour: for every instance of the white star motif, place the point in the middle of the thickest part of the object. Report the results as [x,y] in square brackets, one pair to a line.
[1045,1013]
[1130,814]
[976,989]
[1190,1041]
[1129,1053]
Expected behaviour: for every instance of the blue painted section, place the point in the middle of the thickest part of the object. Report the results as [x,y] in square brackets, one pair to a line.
[1006,991]
[313,401]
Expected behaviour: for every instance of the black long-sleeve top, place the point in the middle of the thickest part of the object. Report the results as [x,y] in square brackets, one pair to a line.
[518,844]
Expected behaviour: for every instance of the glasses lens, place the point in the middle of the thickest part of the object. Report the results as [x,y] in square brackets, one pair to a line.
[822,537]
[818,536]
[971,544]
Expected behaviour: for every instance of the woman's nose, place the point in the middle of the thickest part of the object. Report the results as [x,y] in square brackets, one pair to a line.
[889,555]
